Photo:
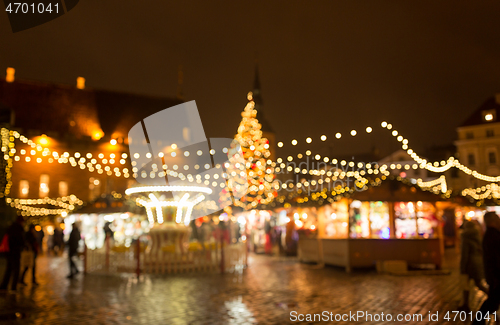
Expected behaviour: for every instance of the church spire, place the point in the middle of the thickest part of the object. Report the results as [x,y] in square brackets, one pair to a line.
[257,99]
[256,89]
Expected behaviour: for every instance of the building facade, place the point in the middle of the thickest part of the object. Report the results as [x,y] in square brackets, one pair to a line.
[69,140]
[478,143]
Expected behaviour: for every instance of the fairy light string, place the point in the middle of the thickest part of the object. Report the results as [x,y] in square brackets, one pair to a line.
[113,165]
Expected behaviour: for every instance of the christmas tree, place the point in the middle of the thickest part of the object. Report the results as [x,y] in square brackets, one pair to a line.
[259,172]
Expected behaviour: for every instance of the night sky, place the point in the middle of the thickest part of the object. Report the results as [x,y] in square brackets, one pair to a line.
[325,66]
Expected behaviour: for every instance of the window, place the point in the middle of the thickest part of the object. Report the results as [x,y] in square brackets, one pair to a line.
[44,186]
[469,135]
[63,188]
[24,188]
[492,158]
[472,159]
[490,133]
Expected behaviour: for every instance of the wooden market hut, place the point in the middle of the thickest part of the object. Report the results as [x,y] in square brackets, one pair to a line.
[382,232]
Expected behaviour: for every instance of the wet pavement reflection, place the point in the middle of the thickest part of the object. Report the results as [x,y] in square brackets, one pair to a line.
[264,293]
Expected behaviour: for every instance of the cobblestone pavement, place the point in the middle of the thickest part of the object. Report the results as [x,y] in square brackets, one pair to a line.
[265,293]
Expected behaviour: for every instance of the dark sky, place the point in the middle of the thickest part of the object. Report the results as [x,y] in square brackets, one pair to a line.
[325,66]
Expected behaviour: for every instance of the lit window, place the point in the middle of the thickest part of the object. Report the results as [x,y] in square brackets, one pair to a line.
[488,117]
[63,188]
[44,185]
[24,188]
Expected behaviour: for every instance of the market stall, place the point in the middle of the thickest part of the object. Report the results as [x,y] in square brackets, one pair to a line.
[123,223]
[392,221]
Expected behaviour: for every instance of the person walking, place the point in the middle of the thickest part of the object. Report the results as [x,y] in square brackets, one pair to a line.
[58,241]
[32,244]
[491,256]
[16,241]
[39,239]
[471,261]
[73,242]
[108,232]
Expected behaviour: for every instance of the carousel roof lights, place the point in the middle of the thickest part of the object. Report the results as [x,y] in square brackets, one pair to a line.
[168,189]
[149,213]
[182,202]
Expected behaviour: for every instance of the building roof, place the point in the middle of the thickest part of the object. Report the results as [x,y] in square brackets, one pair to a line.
[44,107]
[118,112]
[108,204]
[477,118]
[394,190]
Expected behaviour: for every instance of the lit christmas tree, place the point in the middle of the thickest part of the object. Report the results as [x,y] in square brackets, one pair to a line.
[259,171]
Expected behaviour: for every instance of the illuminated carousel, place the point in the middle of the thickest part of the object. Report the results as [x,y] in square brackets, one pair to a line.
[169,210]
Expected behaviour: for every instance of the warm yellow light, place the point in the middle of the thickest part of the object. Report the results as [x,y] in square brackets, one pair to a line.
[323,137]
[488,117]
[43,140]
[294,142]
[10,74]
[353,132]
[80,83]
[280,144]
[97,135]
[384,124]
[113,142]
[173,146]
[308,140]
[368,130]
[338,135]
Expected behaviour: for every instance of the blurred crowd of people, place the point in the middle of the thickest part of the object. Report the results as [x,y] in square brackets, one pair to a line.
[22,248]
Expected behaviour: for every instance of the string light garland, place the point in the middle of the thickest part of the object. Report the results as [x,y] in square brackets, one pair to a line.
[490,191]
[64,205]
[109,165]
[437,167]
[36,153]
[339,191]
